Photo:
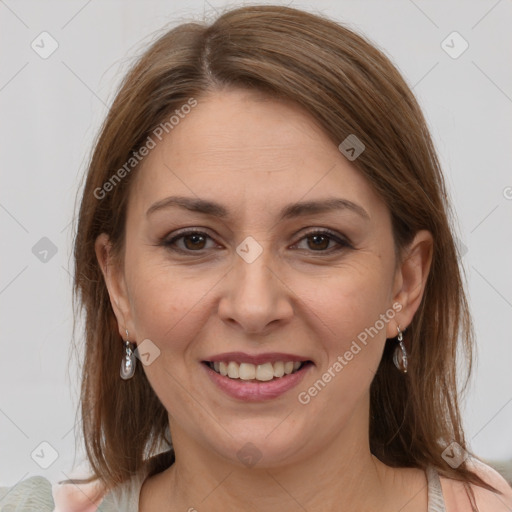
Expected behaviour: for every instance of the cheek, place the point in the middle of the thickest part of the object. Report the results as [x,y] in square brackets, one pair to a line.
[350,300]
[169,305]
[169,311]
[352,312]
[351,327]
[163,307]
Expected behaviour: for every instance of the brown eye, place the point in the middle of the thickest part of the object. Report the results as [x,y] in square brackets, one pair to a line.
[318,241]
[193,241]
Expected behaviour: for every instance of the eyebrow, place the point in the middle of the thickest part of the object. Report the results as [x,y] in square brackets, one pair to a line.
[290,211]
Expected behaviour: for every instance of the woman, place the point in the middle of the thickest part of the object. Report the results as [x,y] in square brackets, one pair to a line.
[264,246]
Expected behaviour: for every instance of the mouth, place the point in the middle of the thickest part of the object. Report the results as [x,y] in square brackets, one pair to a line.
[264,372]
[256,377]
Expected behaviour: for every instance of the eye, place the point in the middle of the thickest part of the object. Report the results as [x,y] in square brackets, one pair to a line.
[320,241]
[194,241]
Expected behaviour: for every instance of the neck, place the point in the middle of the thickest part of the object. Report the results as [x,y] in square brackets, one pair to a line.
[344,475]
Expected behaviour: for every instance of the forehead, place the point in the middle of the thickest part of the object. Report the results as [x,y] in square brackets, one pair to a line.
[248,151]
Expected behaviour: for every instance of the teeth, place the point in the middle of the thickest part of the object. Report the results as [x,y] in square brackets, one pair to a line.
[262,372]
[233,368]
[246,371]
[265,372]
[288,367]
[278,369]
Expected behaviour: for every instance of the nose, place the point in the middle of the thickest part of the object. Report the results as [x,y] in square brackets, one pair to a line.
[255,299]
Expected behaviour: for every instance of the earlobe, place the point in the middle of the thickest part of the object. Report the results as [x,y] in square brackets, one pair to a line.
[411,277]
[114,282]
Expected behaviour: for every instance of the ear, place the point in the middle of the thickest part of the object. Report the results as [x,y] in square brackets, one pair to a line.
[116,285]
[410,280]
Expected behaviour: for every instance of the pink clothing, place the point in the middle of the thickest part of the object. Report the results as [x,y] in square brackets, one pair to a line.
[456,499]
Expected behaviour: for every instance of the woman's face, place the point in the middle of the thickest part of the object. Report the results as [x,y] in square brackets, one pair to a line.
[257,282]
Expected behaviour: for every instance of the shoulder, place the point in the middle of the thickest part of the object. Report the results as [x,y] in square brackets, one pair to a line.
[456,497]
[78,497]
[38,493]
[34,493]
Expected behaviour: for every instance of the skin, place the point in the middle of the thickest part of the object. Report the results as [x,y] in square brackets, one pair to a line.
[256,155]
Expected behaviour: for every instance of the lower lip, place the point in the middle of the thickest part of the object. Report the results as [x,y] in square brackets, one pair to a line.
[256,391]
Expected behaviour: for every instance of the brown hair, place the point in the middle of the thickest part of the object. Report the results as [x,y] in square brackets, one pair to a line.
[349,87]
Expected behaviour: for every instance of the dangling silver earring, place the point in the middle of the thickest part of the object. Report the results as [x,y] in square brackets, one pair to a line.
[128,361]
[400,354]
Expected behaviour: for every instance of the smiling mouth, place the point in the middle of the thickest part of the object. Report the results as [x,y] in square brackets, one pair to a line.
[257,373]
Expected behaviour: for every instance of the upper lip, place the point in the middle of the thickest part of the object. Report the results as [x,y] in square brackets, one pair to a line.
[268,357]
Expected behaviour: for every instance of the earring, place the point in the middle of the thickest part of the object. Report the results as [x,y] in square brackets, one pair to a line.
[400,354]
[128,361]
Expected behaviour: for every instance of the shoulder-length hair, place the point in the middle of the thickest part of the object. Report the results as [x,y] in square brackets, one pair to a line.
[349,87]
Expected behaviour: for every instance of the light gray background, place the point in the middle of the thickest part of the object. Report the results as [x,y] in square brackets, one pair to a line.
[51,110]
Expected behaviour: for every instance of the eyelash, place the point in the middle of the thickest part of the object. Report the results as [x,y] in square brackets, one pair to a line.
[343,243]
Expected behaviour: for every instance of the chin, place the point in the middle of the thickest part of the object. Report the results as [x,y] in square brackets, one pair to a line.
[261,449]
